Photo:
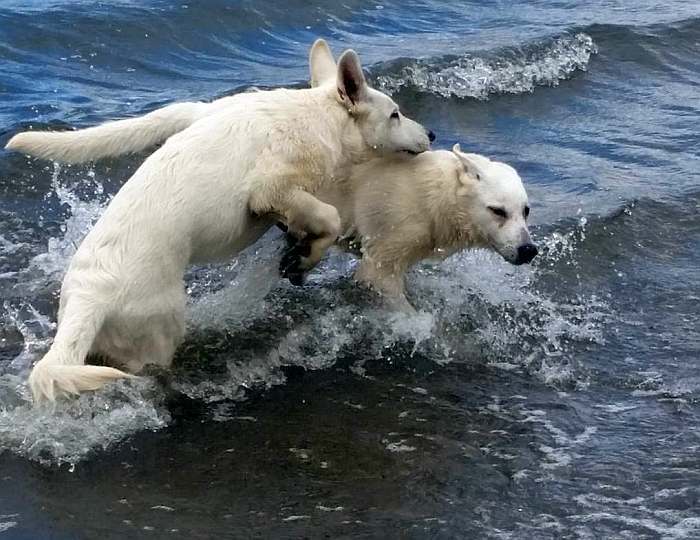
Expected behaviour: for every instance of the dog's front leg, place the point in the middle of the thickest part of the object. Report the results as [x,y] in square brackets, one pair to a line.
[388,281]
[315,225]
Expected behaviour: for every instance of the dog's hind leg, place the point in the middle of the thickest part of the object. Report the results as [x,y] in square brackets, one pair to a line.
[158,345]
[146,329]
[62,370]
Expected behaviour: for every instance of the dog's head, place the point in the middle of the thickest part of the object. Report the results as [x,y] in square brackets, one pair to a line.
[380,122]
[496,203]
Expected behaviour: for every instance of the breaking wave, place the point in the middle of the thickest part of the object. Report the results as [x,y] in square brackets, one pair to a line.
[513,70]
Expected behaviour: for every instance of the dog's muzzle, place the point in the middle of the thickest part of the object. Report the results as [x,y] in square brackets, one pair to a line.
[526,253]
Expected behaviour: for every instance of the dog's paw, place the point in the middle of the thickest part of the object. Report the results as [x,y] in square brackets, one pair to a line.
[296,278]
[292,263]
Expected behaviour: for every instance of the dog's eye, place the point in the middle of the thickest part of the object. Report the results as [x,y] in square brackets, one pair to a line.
[394,115]
[526,211]
[498,211]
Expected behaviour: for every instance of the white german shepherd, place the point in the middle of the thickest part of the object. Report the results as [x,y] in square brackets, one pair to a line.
[197,199]
[399,211]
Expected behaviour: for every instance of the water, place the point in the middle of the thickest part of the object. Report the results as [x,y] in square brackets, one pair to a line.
[555,401]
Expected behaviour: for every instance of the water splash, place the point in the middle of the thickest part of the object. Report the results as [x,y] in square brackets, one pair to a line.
[247,280]
[511,71]
[513,324]
[76,428]
[328,334]
[246,328]
[558,246]
[83,214]
[35,329]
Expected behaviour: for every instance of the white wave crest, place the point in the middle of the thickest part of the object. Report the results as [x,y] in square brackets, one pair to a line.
[516,72]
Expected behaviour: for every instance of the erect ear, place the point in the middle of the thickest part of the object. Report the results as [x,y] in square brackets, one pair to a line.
[352,86]
[473,163]
[321,63]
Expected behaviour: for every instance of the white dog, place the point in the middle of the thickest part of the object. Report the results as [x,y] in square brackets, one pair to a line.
[197,199]
[402,210]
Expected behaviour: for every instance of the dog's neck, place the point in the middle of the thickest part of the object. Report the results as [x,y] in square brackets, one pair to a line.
[354,149]
[452,229]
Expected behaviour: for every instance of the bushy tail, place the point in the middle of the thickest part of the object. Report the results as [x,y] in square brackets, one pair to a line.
[50,380]
[111,138]
[62,370]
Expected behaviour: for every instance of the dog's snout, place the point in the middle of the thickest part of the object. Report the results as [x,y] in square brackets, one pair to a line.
[526,253]
[431,135]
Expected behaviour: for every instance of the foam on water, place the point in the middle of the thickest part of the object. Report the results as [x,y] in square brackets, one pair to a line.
[635,514]
[75,428]
[562,451]
[511,71]
[10,523]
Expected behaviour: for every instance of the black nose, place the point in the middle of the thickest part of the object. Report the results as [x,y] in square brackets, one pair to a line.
[431,136]
[526,253]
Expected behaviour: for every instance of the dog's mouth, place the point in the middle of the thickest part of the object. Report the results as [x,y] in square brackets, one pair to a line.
[411,152]
[508,254]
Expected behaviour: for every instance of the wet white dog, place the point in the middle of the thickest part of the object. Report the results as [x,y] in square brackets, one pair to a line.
[197,199]
[403,210]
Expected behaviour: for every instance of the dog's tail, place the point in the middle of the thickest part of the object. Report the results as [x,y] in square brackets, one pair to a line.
[111,138]
[62,370]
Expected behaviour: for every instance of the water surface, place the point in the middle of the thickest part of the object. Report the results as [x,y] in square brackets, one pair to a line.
[553,401]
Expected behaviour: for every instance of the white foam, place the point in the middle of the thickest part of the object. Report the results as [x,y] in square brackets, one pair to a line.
[9,524]
[684,528]
[562,450]
[73,429]
[514,72]
[616,408]
[398,446]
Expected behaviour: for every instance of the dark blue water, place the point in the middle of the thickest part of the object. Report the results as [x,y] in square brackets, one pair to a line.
[556,401]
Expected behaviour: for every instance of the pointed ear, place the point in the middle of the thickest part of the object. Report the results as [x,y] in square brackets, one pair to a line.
[321,63]
[352,86]
[470,162]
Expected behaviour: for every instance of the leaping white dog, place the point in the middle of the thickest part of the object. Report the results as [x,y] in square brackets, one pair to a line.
[211,190]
